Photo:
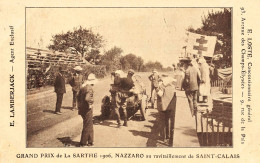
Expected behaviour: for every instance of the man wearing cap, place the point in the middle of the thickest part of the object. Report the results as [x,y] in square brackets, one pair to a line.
[125,89]
[85,100]
[154,78]
[76,82]
[59,88]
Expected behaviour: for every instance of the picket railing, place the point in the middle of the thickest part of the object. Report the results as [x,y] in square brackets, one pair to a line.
[221,86]
[220,83]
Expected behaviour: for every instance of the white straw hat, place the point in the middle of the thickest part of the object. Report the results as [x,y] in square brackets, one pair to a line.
[77,68]
[91,79]
[120,73]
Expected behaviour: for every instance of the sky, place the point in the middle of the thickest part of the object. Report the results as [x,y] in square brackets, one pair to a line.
[155,34]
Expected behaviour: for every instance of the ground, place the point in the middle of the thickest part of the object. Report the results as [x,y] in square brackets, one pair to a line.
[46,129]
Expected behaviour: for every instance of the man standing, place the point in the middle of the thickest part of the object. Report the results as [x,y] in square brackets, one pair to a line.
[85,105]
[191,85]
[59,88]
[166,106]
[76,82]
[154,78]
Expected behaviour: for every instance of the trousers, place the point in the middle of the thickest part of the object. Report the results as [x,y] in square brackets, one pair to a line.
[192,99]
[164,121]
[74,101]
[87,135]
[119,100]
[153,94]
[59,101]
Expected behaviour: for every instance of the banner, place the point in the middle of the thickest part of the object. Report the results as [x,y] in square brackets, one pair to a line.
[200,45]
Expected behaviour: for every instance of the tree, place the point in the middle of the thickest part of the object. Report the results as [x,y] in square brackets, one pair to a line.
[111,59]
[82,40]
[218,24]
[140,63]
[149,66]
[131,61]
[168,69]
[93,57]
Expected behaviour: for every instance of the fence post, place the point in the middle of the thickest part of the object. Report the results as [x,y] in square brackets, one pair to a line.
[172,120]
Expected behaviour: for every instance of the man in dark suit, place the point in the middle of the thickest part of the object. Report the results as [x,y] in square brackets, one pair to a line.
[75,83]
[60,89]
[191,85]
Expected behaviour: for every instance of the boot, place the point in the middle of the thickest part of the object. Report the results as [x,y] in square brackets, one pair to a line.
[118,123]
[125,123]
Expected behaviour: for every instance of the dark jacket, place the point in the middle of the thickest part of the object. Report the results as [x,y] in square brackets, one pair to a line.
[191,79]
[154,78]
[59,84]
[126,84]
[85,99]
[76,82]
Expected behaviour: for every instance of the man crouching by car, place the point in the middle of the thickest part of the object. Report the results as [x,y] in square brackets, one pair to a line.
[125,89]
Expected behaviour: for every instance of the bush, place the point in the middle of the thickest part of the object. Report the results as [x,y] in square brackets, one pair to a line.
[37,77]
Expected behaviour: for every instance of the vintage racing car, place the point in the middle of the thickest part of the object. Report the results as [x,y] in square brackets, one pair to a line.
[136,102]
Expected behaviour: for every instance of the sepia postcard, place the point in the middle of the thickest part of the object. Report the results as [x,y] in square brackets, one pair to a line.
[124,81]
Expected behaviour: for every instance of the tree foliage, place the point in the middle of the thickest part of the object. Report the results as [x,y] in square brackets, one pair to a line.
[114,60]
[131,61]
[218,24]
[111,59]
[83,41]
[94,57]
[149,66]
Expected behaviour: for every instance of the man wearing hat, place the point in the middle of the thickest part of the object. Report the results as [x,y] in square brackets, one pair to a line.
[59,88]
[191,85]
[85,100]
[76,82]
[154,78]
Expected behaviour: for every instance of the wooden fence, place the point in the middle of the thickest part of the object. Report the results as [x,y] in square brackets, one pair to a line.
[220,83]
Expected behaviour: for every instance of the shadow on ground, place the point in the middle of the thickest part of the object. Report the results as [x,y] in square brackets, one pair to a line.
[153,136]
[67,107]
[49,111]
[66,141]
[99,120]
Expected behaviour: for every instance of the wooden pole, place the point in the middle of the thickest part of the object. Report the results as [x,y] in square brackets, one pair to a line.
[172,120]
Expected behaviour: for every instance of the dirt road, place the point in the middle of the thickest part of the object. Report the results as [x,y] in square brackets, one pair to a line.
[46,129]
